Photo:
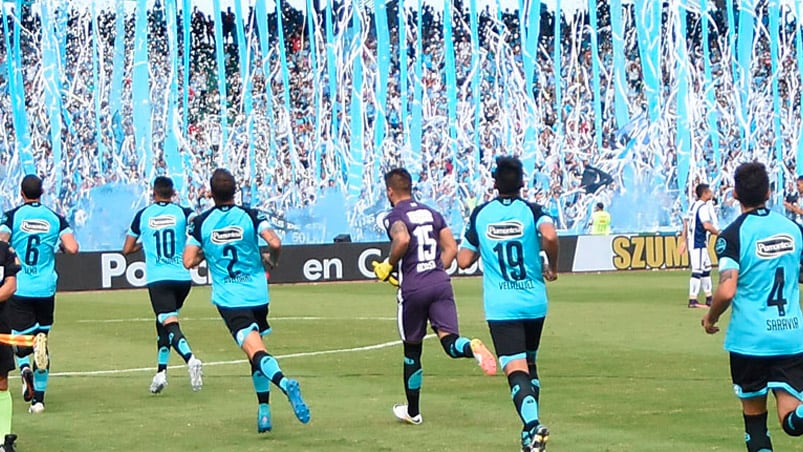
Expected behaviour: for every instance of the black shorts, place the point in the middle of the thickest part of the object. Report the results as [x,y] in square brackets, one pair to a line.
[514,338]
[167,297]
[29,315]
[754,376]
[241,321]
[6,351]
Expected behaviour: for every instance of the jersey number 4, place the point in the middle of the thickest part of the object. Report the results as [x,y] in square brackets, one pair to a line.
[776,294]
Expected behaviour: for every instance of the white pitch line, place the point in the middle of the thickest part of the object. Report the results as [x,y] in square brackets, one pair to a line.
[236,361]
[152,319]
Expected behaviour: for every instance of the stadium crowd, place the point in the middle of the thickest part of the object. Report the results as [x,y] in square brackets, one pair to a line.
[299,162]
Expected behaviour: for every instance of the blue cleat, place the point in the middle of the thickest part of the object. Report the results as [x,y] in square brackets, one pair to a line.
[300,407]
[263,418]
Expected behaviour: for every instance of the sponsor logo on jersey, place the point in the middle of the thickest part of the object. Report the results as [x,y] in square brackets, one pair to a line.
[775,246]
[510,229]
[162,221]
[227,235]
[420,216]
[35,226]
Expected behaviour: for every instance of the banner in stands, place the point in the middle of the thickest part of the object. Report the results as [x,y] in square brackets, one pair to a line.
[630,252]
[301,263]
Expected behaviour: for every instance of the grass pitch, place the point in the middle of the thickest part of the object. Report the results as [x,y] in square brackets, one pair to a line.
[625,366]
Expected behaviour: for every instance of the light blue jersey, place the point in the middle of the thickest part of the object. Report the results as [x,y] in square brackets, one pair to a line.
[229,238]
[35,233]
[162,228]
[765,247]
[505,234]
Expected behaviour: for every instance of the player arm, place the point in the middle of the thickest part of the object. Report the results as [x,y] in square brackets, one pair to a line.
[399,241]
[8,288]
[709,226]
[726,290]
[68,243]
[549,243]
[274,246]
[193,256]
[469,247]
[10,268]
[448,247]
[131,246]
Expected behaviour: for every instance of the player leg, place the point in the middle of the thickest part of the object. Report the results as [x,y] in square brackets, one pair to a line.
[167,298]
[21,317]
[443,317]
[705,278]
[411,315]
[509,339]
[44,309]
[695,259]
[750,381]
[6,365]
[786,381]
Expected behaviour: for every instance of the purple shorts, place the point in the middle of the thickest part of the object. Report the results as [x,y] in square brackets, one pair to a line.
[434,303]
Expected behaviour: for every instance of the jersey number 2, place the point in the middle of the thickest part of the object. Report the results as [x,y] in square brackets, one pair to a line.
[231,252]
[776,294]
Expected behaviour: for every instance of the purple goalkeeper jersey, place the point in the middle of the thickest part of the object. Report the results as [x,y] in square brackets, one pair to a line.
[421,265]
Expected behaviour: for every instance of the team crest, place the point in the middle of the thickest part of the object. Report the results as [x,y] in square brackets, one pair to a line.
[227,235]
[162,221]
[720,245]
[775,246]
[35,226]
[505,230]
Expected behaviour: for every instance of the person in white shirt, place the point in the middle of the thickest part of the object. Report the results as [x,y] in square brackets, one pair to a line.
[699,224]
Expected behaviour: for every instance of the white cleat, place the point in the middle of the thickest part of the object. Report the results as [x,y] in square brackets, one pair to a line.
[37,408]
[40,358]
[400,411]
[159,382]
[195,369]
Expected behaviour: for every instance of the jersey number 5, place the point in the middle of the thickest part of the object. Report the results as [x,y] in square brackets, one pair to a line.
[776,293]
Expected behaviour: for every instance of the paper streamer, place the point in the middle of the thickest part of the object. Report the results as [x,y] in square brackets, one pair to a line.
[141,93]
[264,46]
[403,89]
[451,84]
[744,59]
[118,69]
[356,113]
[799,46]
[416,123]
[172,157]
[683,142]
[51,75]
[383,54]
[223,153]
[619,66]
[246,80]
[97,90]
[595,74]
[710,87]
[291,148]
[16,90]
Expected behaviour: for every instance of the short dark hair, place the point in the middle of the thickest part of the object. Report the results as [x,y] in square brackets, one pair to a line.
[800,178]
[163,187]
[31,187]
[509,175]
[700,189]
[399,180]
[751,183]
[600,206]
[222,185]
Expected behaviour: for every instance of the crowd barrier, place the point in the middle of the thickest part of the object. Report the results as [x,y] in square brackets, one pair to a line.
[352,262]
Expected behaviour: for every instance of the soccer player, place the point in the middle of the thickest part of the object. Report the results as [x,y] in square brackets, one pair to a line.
[421,247]
[9,267]
[227,236]
[759,265]
[698,224]
[36,232]
[509,235]
[161,231]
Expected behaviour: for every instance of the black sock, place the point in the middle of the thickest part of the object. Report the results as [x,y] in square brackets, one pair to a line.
[456,346]
[756,436]
[532,369]
[162,347]
[269,367]
[412,377]
[178,341]
[521,391]
[793,422]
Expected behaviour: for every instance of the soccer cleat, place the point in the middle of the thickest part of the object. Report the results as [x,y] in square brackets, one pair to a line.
[159,382]
[37,408]
[694,304]
[539,439]
[708,300]
[484,357]
[400,411]
[27,384]
[8,443]
[263,418]
[195,369]
[40,358]
[300,407]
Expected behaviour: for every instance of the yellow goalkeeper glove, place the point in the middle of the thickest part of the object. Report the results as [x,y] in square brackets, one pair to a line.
[383,271]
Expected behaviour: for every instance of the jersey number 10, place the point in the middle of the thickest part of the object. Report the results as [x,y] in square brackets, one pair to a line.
[165,243]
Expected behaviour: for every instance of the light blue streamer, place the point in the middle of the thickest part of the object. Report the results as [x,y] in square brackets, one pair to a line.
[451,84]
[418,89]
[220,54]
[118,69]
[264,45]
[476,82]
[244,51]
[316,150]
[683,131]
[732,37]
[404,108]
[331,70]
[745,53]
[556,70]
[96,90]
[710,100]
[595,74]
[356,112]
[16,90]
[774,11]
[286,84]
[649,34]
[799,43]
[383,68]
[531,17]
[619,66]
[51,75]
[186,15]
[140,90]
[172,156]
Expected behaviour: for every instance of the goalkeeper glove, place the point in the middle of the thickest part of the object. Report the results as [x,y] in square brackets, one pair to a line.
[383,270]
